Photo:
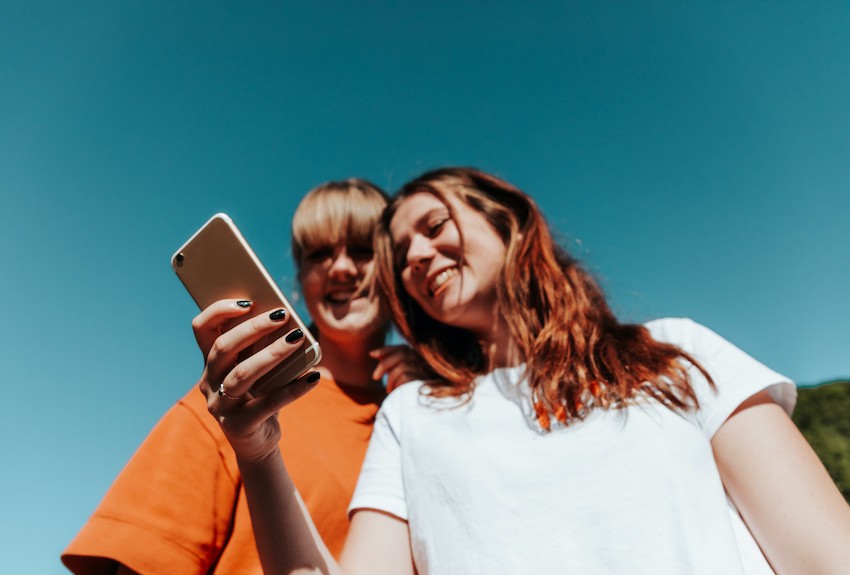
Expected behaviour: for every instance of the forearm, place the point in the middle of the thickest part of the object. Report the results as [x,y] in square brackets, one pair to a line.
[286,538]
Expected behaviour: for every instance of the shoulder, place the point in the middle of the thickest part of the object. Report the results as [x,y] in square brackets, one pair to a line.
[402,404]
[404,394]
[680,331]
[330,401]
[191,412]
[695,339]
[188,435]
[735,374]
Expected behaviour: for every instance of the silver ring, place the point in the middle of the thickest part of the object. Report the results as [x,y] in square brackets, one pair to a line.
[223,393]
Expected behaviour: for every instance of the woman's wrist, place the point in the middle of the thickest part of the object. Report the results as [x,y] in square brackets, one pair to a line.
[258,460]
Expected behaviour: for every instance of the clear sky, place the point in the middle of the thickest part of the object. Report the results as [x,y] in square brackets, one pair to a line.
[693,154]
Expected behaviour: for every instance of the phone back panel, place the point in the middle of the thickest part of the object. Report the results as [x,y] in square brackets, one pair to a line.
[218,263]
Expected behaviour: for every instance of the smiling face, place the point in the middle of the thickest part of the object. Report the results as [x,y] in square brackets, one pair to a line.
[450,260]
[332,232]
[332,281]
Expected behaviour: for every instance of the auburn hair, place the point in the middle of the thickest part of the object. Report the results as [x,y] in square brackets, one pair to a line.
[578,356]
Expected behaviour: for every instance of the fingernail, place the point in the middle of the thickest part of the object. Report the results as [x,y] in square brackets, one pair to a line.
[244,303]
[313,377]
[277,315]
[294,335]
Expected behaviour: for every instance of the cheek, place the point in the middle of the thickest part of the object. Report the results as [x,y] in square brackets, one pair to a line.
[311,289]
[366,268]
[408,286]
[374,309]
[405,280]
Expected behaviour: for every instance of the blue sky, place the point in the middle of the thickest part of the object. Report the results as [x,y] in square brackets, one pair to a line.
[694,155]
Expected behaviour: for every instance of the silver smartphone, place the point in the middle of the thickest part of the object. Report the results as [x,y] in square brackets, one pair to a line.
[217,263]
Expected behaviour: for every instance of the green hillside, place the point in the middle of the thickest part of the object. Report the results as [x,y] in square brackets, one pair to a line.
[823,415]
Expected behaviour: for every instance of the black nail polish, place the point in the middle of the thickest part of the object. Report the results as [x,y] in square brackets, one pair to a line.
[294,336]
[244,303]
[313,377]
[277,315]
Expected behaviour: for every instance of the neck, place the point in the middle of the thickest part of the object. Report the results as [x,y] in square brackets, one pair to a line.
[347,361]
[499,347]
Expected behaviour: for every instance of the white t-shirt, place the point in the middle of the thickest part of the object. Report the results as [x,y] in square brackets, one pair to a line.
[625,491]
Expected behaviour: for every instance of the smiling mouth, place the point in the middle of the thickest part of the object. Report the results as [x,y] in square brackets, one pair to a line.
[440,281]
[339,297]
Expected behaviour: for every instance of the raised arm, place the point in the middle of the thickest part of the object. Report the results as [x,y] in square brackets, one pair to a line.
[286,538]
[784,493]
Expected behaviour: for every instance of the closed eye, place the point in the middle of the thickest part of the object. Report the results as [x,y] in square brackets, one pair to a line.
[319,254]
[434,229]
[360,253]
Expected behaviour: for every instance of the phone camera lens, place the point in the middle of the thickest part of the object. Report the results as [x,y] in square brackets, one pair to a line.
[179,259]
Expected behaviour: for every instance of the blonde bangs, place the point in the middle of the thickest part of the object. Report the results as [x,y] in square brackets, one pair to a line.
[335,212]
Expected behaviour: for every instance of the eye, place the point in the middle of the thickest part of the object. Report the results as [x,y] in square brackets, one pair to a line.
[434,228]
[360,253]
[319,254]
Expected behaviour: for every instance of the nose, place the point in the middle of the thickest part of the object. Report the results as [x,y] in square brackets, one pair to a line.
[419,252]
[342,265]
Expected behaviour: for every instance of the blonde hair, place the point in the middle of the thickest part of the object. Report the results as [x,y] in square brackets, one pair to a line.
[337,211]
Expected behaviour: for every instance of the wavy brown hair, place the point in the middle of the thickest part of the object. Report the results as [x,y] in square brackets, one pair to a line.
[578,355]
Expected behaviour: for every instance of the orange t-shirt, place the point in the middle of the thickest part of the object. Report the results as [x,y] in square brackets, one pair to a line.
[179,505]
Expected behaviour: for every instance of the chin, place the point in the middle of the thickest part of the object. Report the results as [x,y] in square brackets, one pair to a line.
[354,330]
[460,315]
[356,318]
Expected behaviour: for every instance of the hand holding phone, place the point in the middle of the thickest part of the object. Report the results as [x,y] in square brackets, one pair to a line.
[217,263]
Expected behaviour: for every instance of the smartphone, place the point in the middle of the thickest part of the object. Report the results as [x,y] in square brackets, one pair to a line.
[217,263]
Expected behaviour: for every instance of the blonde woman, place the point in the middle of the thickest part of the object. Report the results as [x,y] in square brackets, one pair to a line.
[179,505]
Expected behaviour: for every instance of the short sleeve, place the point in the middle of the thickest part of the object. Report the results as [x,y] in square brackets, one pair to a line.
[736,375]
[381,484]
[169,510]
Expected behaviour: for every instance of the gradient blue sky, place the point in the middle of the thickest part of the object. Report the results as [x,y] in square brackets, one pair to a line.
[695,155]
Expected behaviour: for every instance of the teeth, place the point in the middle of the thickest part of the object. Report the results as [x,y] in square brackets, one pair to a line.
[341,296]
[441,279]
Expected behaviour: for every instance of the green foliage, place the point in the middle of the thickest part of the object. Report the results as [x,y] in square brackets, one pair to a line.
[823,415]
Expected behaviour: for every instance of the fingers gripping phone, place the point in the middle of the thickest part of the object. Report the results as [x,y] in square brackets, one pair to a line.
[217,263]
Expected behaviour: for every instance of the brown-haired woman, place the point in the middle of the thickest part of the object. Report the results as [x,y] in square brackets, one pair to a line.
[555,438]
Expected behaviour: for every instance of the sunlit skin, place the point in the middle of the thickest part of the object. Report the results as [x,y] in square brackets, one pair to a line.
[454,280]
[331,280]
